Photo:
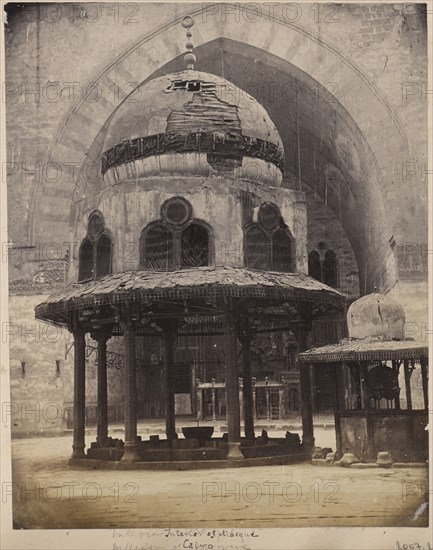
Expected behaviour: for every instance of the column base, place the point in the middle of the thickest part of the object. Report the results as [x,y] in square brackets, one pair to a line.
[131,454]
[250,434]
[78,451]
[234,451]
[308,443]
[103,441]
[171,437]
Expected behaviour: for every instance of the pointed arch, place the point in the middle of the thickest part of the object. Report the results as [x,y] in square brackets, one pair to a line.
[256,248]
[314,267]
[195,246]
[85,260]
[330,269]
[156,247]
[282,251]
[71,142]
[103,255]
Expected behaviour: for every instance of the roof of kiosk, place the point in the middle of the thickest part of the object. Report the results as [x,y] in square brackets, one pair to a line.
[370,349]
[144,286]
[376,333]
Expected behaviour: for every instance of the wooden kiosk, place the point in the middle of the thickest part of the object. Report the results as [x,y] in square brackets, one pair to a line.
[378,376]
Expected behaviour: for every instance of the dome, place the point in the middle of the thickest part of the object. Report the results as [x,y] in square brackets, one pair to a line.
[195,123]
[376,315]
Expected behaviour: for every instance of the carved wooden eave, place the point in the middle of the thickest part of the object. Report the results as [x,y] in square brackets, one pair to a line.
[372,349]
[193,289]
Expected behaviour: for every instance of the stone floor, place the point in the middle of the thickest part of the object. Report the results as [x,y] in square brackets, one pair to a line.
[49,494]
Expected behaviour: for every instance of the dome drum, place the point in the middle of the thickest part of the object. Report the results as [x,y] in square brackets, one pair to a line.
[214,202]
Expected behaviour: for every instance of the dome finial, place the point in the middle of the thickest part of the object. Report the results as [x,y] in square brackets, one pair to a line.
[190,58]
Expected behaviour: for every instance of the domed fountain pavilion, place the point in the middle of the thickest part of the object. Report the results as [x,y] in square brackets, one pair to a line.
[192,171]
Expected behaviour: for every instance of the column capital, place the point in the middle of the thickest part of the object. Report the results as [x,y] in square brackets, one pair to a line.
[74,326]
[169,327]
[78,332]
[305,311]
[301,332]
[245,330]
[101,335]
[127,315]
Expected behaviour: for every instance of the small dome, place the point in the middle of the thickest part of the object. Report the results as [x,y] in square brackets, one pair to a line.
[376,315]
[196,123]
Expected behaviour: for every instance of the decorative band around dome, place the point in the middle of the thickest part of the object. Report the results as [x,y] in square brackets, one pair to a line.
[228,146]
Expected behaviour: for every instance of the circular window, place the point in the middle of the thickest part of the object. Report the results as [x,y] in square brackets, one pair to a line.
[269,215]
[176,210]
[95,225]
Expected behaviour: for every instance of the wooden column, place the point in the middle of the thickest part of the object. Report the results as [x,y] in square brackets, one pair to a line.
[241,399]
[396,367]
[248,397]
[281,404]
[193,385]
[338,382]
[102,411]
[254,399]
[424,376]
[213,400]
[199,400]
[232,389]
[305,389]
[363,379]
[131,447]
[268,400]
[79,414]
[170,419]
[407,384]
[314,396]
[365,402]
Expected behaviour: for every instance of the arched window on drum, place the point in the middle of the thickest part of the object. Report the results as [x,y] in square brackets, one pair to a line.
[195,246]
[95,253]
[324,267]
[156,248]
[330,269]
[268,243]
[256,248]
[282,251]
[314,265]
[176,240]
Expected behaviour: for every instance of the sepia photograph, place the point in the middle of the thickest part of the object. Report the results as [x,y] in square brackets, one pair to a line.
[215,275]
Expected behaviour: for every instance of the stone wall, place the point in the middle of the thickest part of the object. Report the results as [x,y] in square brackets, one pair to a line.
[38,387]
[42,389]
[324,228]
